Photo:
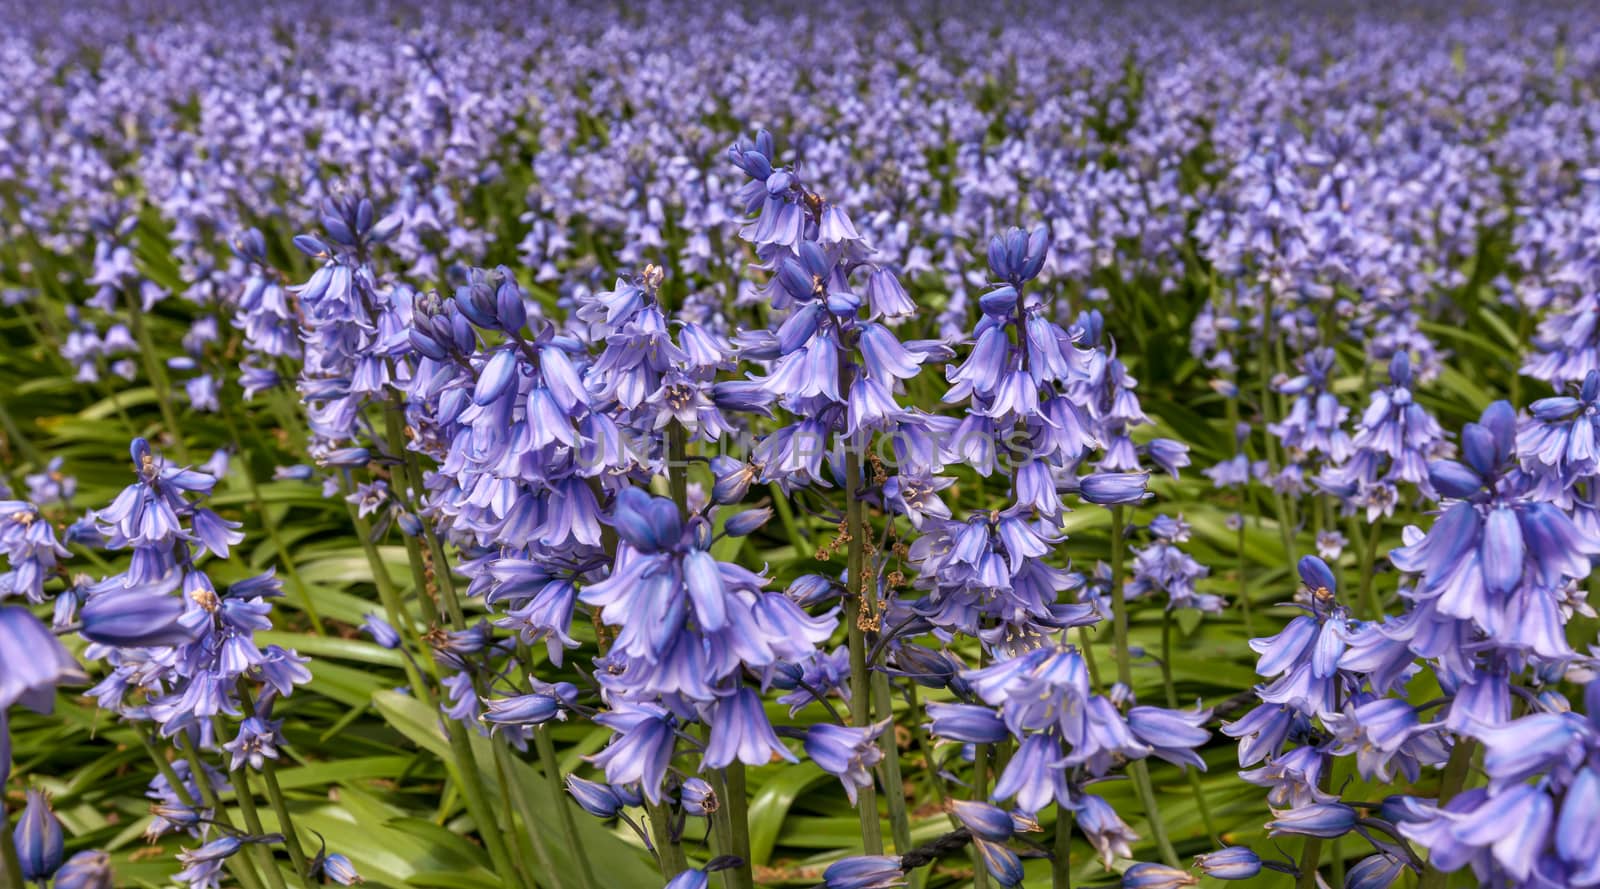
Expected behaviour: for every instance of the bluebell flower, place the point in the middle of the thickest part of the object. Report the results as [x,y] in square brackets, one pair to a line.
[256,742]
[1393,444]
[849,754]
[381,632]
[1164,567]
[29,546]
[132,617]
[1102,827]
[693,878]
[1148,875]
[1375,872]
[599,800]
[34,663]
[1034,776]
[89,869]
[528,709]
[984,820]
[1230,863]
[967,723]
[338,868]
[50,484]
[698,797]
[641,746]
[1001,863]
[38,839]
[1325,820]
[1114,488]
[864,872]
[202,867]
[1385,733]
[740,731]
[1497,556]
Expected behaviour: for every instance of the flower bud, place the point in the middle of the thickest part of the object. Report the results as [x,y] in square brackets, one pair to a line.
[38,839]
[90,869]
[1230,863]
[134,618]
[1148,875]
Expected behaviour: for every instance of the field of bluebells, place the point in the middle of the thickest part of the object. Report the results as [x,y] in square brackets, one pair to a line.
[583,448]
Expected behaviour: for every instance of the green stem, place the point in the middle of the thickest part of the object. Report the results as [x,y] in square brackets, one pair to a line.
[471,779]
[529,841]
[388,594]
[302,596]
[980,792]
[736,802]
[1369,557]
[167,771]
[280,807]
[1244,587]
[1171,688]
[558,792]
[856,616]
[893,784]
[1336,865]
[477,798]
[245,797]
[721,826]
[1453,782]
[242,867]
[1138,769]
[14,434]
[1086,644]
[1061,857]
[668,848]
[780,502]
[8,851]
[157,375]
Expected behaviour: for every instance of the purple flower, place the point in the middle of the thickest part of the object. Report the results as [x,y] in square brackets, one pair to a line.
[740,730]
[864,872]
[89,869]
[32,663]
[38,839]
[1147,875]
[1325,820]
[1230,863]
[849,754]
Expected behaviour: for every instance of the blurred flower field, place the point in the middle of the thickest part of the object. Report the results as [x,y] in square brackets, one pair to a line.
[577,447]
